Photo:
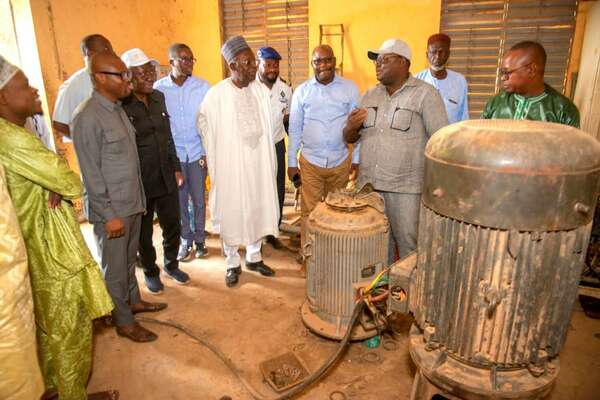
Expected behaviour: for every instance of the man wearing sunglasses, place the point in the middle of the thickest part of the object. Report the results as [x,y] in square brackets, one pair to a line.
[160,168]
[183,95]
[525,94]
[395,120]
[105,144]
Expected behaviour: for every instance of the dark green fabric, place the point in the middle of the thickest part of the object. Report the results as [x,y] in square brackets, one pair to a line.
[553,107]
[68,288]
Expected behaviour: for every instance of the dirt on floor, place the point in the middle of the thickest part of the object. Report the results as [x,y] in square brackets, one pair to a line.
[259,320]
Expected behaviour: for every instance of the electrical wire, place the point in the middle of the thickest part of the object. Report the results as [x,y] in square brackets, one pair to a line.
[314,377]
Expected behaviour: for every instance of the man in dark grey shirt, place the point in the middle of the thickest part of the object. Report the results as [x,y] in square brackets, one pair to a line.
[105,144]
[394,123]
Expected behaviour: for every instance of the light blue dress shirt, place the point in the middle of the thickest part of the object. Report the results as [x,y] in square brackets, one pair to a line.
[182,105]
[317,118]
[453,90]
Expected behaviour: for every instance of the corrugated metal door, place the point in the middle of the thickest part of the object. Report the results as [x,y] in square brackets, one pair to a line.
[482,31]
[278,23]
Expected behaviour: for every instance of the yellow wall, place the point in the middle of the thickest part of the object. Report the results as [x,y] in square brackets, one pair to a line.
[368,23]
[151,25]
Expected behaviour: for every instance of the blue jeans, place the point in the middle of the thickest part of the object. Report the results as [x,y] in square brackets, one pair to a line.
[194,186]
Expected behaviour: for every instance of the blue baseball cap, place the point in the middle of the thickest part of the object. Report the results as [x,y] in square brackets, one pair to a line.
[268,53]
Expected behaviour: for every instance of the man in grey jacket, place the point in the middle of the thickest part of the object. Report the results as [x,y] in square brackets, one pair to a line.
[105,144]
[395,120]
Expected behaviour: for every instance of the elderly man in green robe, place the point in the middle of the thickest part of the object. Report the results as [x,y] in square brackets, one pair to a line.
[526,95]
[68,289]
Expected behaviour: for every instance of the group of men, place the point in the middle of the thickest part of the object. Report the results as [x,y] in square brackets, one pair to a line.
[145,147]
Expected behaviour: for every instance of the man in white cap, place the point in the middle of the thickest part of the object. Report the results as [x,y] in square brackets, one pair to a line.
[235,122]
[160,169]
[392,125]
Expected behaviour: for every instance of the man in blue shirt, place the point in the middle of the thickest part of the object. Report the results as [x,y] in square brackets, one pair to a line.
[318,114]
[183,95]
[451,85]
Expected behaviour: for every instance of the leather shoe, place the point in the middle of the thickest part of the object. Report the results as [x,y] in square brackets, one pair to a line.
[260,267]
[146,306]
[276,243]
[136,333]
[232,276]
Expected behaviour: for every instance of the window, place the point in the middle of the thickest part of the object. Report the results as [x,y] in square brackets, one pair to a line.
[280,24]
[482,31]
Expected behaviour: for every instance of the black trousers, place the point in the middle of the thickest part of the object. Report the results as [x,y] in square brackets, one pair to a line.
[167,210]
[280,152]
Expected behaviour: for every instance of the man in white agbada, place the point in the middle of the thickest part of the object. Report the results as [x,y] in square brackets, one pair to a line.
[235,123]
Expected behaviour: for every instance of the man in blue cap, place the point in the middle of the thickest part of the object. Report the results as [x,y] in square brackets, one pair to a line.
[281,96]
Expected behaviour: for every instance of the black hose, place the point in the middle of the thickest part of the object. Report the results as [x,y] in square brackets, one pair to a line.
[358,307]
[314,377]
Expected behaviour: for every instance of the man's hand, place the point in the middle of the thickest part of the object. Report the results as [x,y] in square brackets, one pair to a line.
[354,172]
[292,171]
[356,118]
[354,123]
[202,162]
[54,200]
[114,228]
[179,178]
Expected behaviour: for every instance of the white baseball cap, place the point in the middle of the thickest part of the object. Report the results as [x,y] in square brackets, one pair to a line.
[391,46]
[136,57]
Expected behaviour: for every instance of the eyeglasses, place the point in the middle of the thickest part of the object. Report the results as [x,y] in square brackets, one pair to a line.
[246,63]
[186,60]
[144,72]
[125,75]
[386,59]
[509,72]
[320,61]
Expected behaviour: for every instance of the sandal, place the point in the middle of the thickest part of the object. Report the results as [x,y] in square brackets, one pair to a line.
[136,333]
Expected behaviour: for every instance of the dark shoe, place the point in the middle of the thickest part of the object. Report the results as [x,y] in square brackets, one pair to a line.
[232,276]
[261,267]
[178,276]
[137,333]
[146,306]
[276,243]
[201,251]
[185,253]
[154,285]
[106,395]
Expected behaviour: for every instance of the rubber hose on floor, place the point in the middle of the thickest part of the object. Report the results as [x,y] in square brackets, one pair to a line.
[314,377]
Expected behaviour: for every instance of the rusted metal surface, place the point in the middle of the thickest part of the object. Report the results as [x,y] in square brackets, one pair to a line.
[522,175]
[347,243]
[495,297]
[453,379]
[504,227]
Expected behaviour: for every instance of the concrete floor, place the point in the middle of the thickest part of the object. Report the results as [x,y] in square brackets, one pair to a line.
[258,320]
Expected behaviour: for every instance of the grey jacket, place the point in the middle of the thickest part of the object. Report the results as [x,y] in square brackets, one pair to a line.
[105,144]
[394,136]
